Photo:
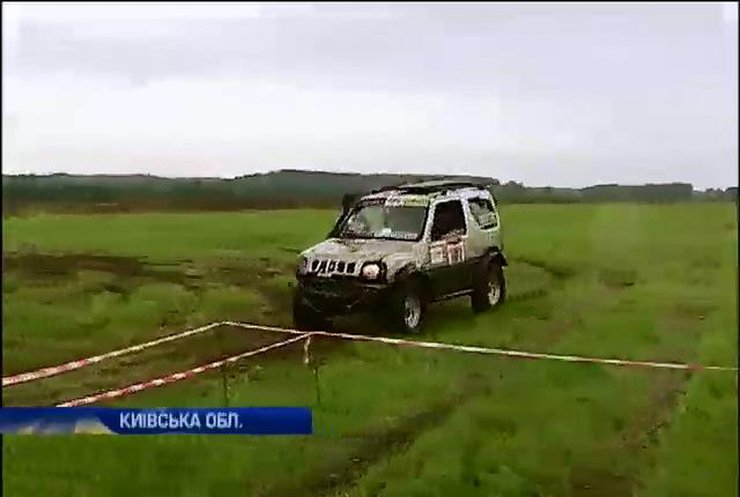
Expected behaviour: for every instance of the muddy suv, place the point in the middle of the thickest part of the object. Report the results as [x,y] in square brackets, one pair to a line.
[396,250]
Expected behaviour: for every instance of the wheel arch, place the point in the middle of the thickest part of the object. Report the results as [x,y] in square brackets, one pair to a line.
[411,272]
[495,254]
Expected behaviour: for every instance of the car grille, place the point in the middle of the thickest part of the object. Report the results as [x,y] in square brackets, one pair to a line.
[332,267]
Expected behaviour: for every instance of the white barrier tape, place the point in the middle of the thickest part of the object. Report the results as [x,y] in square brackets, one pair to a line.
[494,351]
[81,363]
[172,378]
[73,365]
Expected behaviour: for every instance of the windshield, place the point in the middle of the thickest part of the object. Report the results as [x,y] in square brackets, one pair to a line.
[382,221]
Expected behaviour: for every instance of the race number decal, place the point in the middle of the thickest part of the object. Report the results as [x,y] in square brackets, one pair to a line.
[455,253]
[447,253]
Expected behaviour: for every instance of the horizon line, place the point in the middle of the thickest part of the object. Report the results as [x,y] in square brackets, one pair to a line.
[344,173]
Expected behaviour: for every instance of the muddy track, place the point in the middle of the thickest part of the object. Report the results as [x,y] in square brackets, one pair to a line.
[558,271]
[640,434]
[560,275]
[56,265]
[130,272]
[370,447]
[47,264]
[643,430]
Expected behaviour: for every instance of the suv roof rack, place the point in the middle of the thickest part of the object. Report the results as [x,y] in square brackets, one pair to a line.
[425,187]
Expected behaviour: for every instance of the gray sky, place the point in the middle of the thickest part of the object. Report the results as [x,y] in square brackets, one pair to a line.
[564,95]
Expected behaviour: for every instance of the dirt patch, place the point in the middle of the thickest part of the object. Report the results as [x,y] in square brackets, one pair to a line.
[249,274]
[692,310]
[50,265]
[641,433]
[67,265]
[558,271]
[599,483]
[618,278]
[643,430]
[130,272]
[63,264]
[263,275]
[557,329]
[530,294]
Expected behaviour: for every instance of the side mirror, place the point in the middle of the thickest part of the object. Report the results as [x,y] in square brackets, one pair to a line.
[348,201]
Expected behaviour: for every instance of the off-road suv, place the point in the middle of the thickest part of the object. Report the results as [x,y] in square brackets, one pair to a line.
[397,249]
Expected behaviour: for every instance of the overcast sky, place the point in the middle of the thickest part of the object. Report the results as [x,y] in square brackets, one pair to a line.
[563,95]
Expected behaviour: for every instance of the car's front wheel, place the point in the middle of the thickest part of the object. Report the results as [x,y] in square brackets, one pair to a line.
[406,309]
[490,290]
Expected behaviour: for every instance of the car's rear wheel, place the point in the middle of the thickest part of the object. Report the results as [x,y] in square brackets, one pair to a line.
[407,309]
[490,290]
[307,319]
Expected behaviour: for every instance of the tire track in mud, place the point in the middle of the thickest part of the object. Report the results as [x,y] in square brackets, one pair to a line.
[374,445]
[643,430]
[556,278]
[640,434]
[130,271]
[560,272]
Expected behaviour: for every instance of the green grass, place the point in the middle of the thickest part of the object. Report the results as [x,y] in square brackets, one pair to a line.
[628,281]
[171,236]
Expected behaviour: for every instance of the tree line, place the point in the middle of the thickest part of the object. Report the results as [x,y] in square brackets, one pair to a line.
[291,189]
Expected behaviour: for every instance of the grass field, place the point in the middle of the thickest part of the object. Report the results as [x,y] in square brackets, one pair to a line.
[654,282]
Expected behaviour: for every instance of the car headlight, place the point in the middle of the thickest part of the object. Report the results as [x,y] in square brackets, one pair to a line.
[371,271]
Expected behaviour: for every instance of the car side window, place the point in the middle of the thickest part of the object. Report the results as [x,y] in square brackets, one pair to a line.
[449,219]
[483,212]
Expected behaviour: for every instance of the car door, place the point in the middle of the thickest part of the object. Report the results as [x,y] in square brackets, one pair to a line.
[447,244]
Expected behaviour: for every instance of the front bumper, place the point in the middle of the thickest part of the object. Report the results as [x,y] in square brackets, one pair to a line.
[336,296]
